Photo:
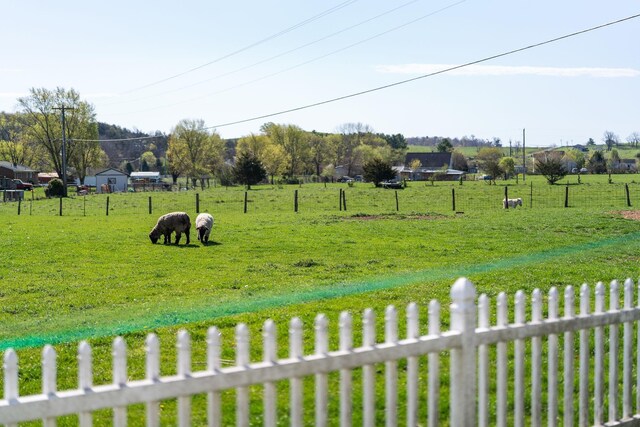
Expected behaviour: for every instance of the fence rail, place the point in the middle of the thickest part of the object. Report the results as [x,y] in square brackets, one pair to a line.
[494,375]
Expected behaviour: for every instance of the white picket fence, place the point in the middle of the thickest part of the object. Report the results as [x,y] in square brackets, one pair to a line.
[495,372]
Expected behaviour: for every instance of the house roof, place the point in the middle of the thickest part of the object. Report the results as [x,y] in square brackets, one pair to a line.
[111,171]
[144,174]
[15,167]
[430,160]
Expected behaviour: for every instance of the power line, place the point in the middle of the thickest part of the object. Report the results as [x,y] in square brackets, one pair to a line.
[259,42]
[271,58]
[390,30]
[488,58]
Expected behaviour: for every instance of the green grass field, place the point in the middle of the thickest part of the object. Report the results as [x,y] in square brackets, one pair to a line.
[86,275]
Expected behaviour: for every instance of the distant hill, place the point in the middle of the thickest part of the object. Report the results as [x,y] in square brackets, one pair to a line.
[132,149]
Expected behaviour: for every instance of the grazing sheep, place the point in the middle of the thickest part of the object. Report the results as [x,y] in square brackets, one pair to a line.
[167,224]
[204,223]
[511,203]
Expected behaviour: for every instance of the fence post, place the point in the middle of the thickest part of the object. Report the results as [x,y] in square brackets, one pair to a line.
[340,199]
[197,202]
[107,205]
[19,205]
[505,203]
[626,189]
[453,198]
[150,206]
[344,200]
[397,204]
[566,197]
[531,196]
[463,359]
[295,201]
[60,205]
[246,195]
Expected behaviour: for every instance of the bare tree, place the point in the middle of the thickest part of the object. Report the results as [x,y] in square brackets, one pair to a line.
[610,139]
[634,139]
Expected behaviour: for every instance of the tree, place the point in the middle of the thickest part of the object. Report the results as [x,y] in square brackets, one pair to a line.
[377,170]
[459,161]
[552,169]
[610,139]
[508,166]
[319,151]
[397,141]
[444,146]
[488,159]
[614,161]
[415,164]
[149,159]
[597,163]
[43,125]
[13,146]
[634,139]
[578,157]
[295,143]
[275,160]
[193,150]
[591,142]
[248,170]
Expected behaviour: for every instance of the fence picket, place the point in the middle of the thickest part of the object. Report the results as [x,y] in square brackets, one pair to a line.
[501,362]
[627,352]
[242,360]
[391,368]
[119,378]
[295,352]
[552,364]
[483,364]
[346,376]
[433,404]
[613,353]
[85,379]
[269,356]
[183,347]
[368,373]
[569,309]
[536,360]
[10,366]
[152,352]
[49,381]
[322,383]
[412,367]
[583,406]
[518,374]
[214,411]
[598,354]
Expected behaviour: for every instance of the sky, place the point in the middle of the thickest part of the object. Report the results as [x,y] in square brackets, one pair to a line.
[146,65]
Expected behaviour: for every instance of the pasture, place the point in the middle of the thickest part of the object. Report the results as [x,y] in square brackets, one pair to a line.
[88,275]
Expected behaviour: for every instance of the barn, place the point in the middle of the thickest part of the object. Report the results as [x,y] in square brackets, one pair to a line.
[111,181]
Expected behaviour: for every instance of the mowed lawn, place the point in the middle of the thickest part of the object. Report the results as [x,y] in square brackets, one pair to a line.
[73,277]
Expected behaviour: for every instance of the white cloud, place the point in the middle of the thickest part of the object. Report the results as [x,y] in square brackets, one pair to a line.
[500,70]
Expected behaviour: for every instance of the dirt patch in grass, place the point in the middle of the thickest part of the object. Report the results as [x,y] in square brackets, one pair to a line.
[426,217]
[634,215]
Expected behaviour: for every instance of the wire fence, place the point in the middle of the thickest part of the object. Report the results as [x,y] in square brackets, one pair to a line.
[334,198]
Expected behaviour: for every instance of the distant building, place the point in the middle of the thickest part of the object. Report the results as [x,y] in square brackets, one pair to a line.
[432,165]
[111,181]
[15,171]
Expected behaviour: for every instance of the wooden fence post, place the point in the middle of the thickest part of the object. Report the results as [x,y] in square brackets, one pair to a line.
[453,198]
[566,197]
[463,359]
[107,205]
[19,203]
[245,201]
[60,205]
[344,200]
[197,202]
[531,196]
[397,204]
[505,202]
[295,201]
[626,189]
[150,206]
[340,199]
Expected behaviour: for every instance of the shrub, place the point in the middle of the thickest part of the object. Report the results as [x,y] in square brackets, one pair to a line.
[55,188]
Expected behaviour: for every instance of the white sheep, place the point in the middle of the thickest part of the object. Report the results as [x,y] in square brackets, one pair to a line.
[511,203]
[204,223]
[167,224]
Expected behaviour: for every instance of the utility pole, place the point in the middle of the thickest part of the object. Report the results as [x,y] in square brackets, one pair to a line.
[64,149]
[524,160]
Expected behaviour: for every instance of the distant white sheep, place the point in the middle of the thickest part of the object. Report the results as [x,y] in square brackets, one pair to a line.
[511,203]
[204,223]
[167,224]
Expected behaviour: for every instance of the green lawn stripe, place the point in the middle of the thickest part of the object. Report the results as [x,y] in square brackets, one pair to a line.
[337,291]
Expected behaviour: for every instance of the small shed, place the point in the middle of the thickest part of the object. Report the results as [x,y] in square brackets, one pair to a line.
[111,181]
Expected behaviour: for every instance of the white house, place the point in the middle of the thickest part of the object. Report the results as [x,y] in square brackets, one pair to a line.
[111,181]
